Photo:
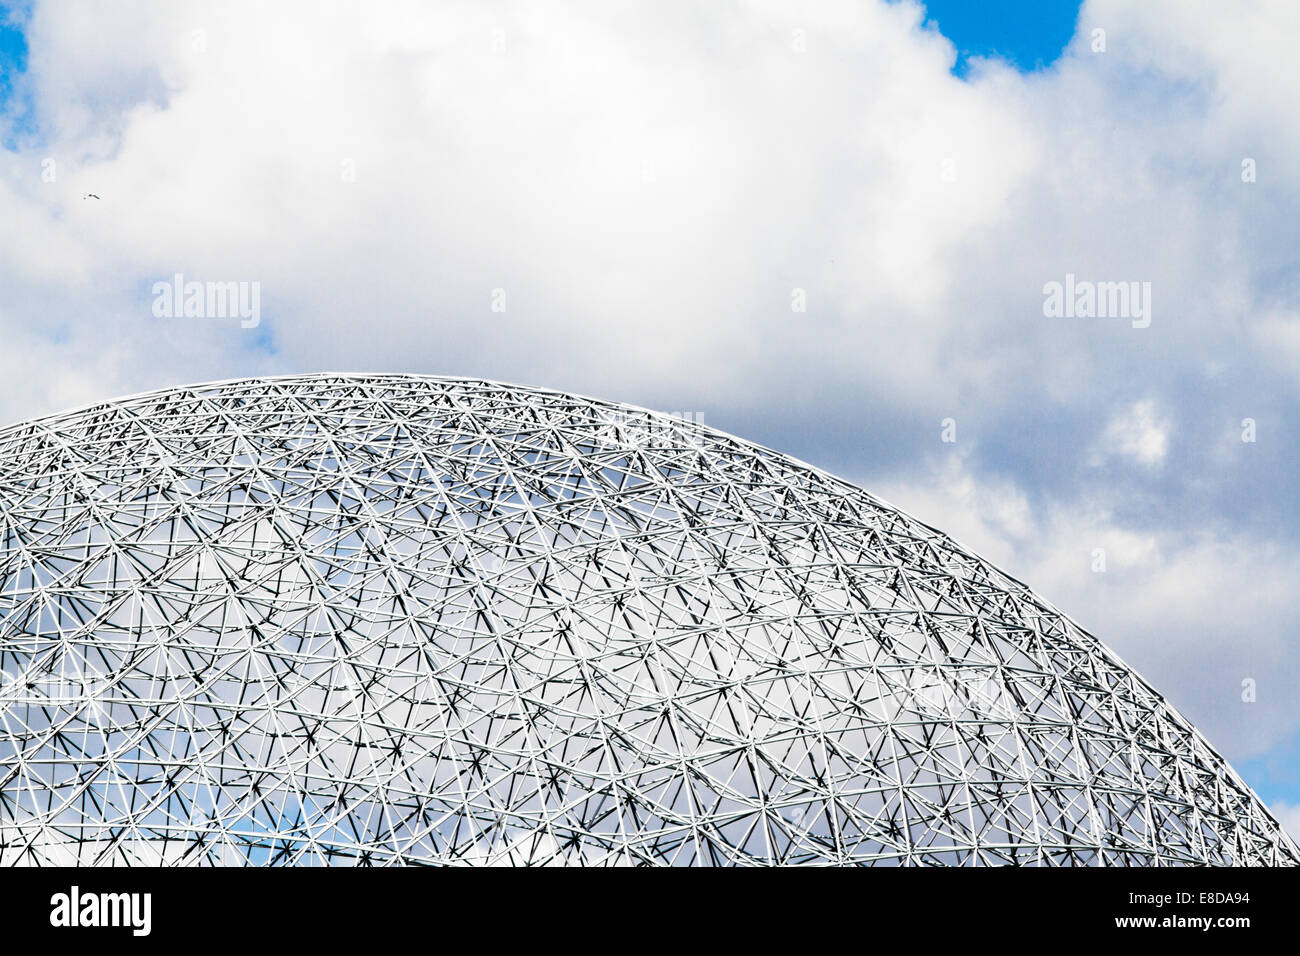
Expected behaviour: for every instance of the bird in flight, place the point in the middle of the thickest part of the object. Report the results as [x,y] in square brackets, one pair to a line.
[90,196]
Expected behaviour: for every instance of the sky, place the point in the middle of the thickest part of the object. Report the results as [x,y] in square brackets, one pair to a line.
[831,228]
[1027,34]
[13,59]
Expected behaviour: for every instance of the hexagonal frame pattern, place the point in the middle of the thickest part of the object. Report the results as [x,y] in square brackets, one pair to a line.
[378,619]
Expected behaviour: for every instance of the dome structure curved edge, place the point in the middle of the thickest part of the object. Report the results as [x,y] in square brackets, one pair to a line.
[959,717]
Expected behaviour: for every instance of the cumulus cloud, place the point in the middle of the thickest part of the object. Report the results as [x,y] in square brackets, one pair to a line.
[1137,433]
[1206,617]
[1288,814]
[792,221]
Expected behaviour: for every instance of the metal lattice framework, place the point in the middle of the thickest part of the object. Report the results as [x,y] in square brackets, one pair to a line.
[385,619]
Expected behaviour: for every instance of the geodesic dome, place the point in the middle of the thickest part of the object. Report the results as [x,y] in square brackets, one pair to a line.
[397,619]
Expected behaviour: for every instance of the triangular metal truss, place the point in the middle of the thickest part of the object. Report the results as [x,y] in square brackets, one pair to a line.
[398,619]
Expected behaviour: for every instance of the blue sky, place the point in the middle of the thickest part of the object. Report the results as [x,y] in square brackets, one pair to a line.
[13,62]
[13,53]
[1029,34]
[648,192]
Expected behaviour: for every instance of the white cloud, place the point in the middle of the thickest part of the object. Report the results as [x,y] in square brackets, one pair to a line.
[1196,614]
[1138,433]
[648,189]
[1288,814]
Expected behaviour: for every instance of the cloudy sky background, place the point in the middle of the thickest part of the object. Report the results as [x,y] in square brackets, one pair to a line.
[649,184]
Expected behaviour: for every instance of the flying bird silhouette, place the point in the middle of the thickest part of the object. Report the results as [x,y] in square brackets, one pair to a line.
[90,196]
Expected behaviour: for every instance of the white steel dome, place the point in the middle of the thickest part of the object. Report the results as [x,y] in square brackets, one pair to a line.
[376,619]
